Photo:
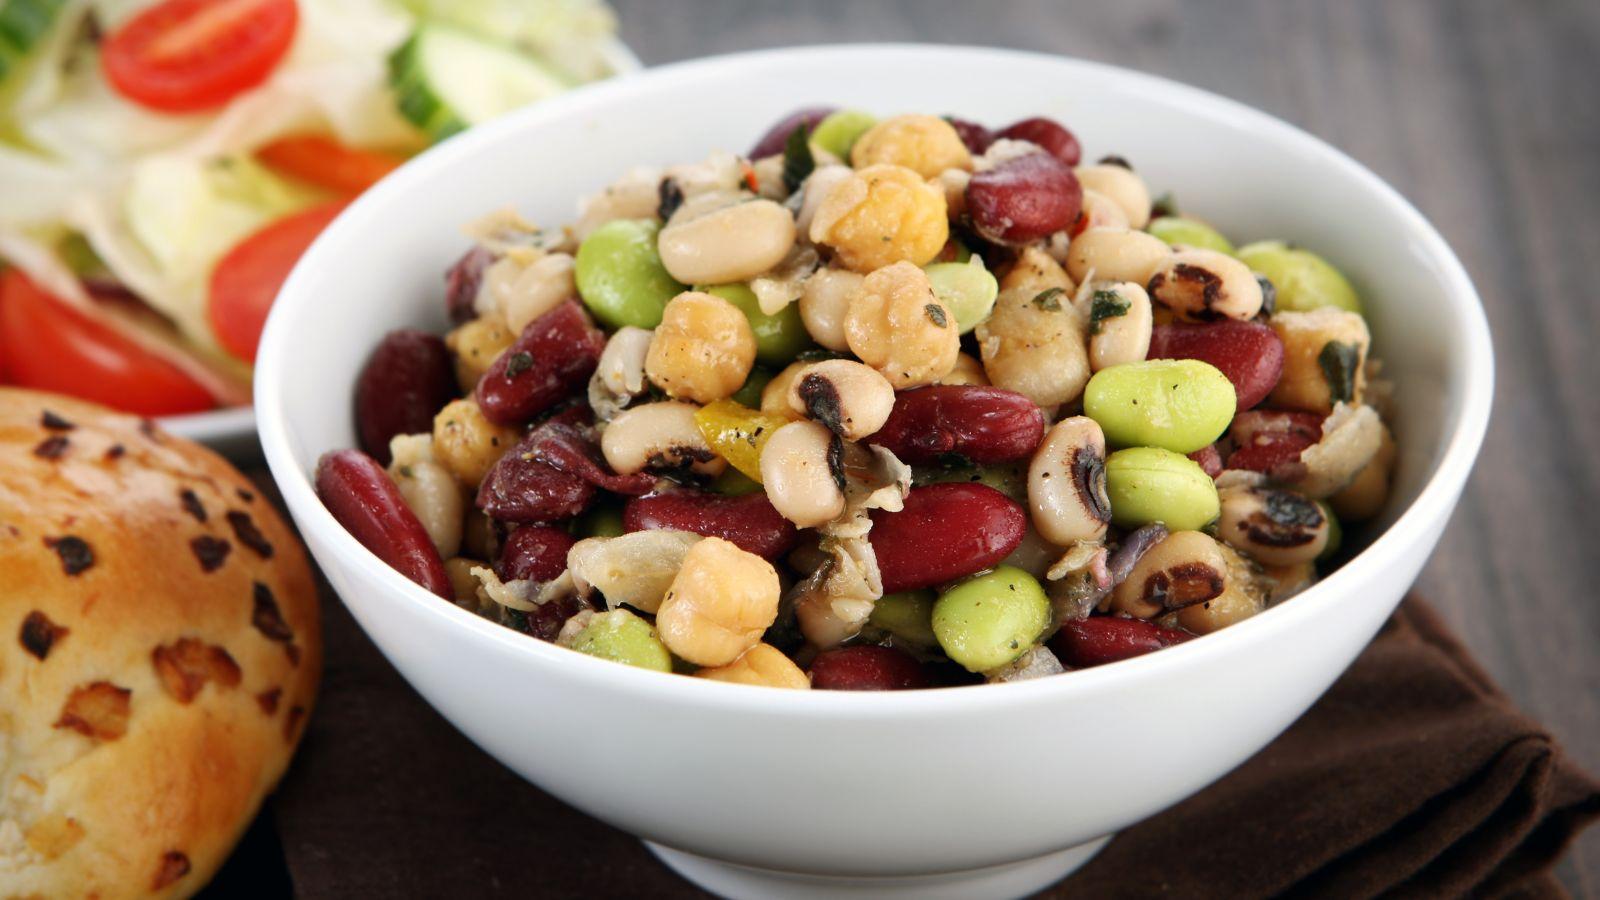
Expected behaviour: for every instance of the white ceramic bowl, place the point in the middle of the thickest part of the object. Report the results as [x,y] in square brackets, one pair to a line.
[988,790]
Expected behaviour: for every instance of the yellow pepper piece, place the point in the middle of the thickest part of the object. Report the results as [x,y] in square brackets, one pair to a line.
[737,433]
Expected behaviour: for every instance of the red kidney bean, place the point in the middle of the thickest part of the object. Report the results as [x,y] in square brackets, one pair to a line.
[778,135]
[1249,353]
[1098,640]
[534,553]
[1209,458]
[866,667]
[749,521]
[523,488]
[361,497]
[975,136]
[1267,440]
[1054,137]
[551,360]
[461,284]
[568,448]
[982,424]
[944,531]
[404,383]
[1025,199]
[545,620]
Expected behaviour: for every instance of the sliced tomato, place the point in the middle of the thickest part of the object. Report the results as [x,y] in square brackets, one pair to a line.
[245,282]
[49,346]
[187,55]
[323,161]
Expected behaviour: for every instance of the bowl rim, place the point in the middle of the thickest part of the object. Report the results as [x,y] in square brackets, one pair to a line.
[1434,501]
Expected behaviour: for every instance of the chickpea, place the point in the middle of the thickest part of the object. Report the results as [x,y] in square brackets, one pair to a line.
[1120,324]
[1185,568]
[1274,526]
[1205,285]
[897,325]
[1364,497]
[1324,359]
[1033,341]
[1123,186]
[967,371]
[720,602]
[1115,254]
[882,215]
[466,443]
[824,303]
[1242,596]
[1067,483]
[730,243]
[703,349]
[924,144]
[762,665]
[851,399]
[775,396]
[463,585]
[475,347]
[537,289]
[803,474]
[658,436]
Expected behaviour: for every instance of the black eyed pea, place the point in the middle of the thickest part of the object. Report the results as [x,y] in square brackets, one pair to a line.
[1273,526]
[1115,254]
[1067,483]
[1100,211]
[1122,185]
[1365,496]
[924,144]
[729,243]
[658,436]
[763,666]
[703,349]
[824,303]
[720,602]
[991,619]
[623,637]
[1120,324]
[1243,595]
[1148,484]
[1033,341]
[1185,568]
[466,443]
[1324,359]
[475,345]
[619,376]
[967,371]
[897,325]
[849,398]
[881,215]
[1205,285]
[802,470]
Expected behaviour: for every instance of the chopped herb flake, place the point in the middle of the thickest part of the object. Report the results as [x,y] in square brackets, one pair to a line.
[518,362]
[798,163]
[1105,305]
[1340,362]
[936,314]
[1049,299]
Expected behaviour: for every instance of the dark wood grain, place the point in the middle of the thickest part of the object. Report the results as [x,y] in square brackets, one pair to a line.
[1483,113]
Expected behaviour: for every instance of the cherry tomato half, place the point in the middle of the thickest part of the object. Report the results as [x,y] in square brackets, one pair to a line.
[246,281]
[323,161]
[187,55]
[49,346]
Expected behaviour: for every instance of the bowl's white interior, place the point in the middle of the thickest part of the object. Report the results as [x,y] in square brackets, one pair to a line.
[381,265]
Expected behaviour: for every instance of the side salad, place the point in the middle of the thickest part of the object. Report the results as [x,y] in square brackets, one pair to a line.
[163,163]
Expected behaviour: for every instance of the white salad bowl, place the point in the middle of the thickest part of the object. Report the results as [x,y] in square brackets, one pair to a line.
[975,791]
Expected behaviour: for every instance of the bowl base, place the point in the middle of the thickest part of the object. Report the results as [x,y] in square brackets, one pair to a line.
[1016,879]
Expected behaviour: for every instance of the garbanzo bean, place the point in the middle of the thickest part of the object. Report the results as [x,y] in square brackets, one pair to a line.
[466,443]
[763,666]
[720,602]
[926,145]
[825,302]
[463,584]
[1243,595]
[897,325]
[882,215]
[967,370]
[1324,359]
[1364,497]
[1033,341]
[1123,186]
[775,395]
[702,350]
[475,346]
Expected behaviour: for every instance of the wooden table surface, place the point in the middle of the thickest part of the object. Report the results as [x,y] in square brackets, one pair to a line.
[1482,113]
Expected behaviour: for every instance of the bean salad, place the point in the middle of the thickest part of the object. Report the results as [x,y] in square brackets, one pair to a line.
[882,404]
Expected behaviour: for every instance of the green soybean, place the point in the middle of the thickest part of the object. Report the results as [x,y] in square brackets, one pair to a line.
[604,519]
[1335,533]
[779,338]
[1191,232]
[1175,404]
[749,394]
[967,288]
[991,619]
[838,132]
[1148,484]
[734,483]
[908,615]
[620,276]
[1010,480]
[1304,280]
[623,637]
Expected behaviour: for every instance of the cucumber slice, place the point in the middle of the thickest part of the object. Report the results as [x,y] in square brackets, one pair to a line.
[446,80]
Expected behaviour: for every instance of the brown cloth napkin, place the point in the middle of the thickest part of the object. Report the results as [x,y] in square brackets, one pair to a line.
[1412,777]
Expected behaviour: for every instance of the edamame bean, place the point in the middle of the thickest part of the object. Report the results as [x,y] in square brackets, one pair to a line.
[1148,484]
[1011,480]
[734,483]
[779,338]
[991,619]
[602,520]
[1304,280]
[1335,533]
[1189,232]
[1176,404]
[908,615]
[623,637]
[620,276]
[838,132]
[967,288]
[750,393]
